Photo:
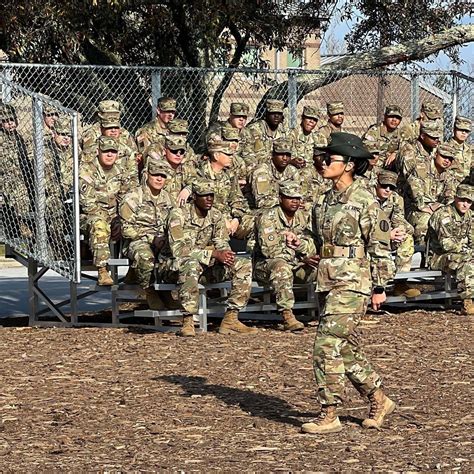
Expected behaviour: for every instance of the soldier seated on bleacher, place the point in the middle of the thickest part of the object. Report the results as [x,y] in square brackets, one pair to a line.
[451,242]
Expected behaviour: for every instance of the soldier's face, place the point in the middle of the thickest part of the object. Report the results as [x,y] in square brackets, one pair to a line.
[50,119]
[333,167]
[429,141]
[374,159]
[392,122]
[156,182]
[174,157]
[274,118]
[337,119]
[318,163]
[238,121]
[223,160]
[462,205]
[62,140]
[108,158]
[281,160]
[204,203]
[113,132]
[166,116]
[443,162]
[384,191]
[289,204]
[461,135]
[308,124]
[9,125]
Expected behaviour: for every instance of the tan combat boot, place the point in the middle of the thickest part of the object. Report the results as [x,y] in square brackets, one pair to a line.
[231,324]
[290,323]
[468,307]
[104,278]
[153,300]
[328,422]
[188,327]
[380,406]
[402,289]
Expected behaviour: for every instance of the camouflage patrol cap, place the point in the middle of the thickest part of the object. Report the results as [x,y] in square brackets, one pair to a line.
[282,146]
[387,177]
[373,147]
[465,191]
[167,104]
[175,142]
[431,110]
[273,105]
[203,187]
[108,143]
[49,109]
[7,112]
[230,134]
[109,106]
[444,149]
[220,146]
[62,126]
[393,111]
[335,108]
[178,126]
[310,112]
[158,167]
[290,189]
[239,109]
[346,144]
[432,128]
[463,123]
[110,121]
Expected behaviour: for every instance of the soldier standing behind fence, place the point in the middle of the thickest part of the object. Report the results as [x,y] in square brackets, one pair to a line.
[335,121]
[464,165]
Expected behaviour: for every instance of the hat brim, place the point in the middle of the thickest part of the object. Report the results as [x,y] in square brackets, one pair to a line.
[347,150]
[109,149]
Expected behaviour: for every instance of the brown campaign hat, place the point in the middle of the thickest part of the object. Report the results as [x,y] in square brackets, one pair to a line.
[175,142]
[167,104]
[311,112]
[203,187]
[158,167]
[335,108]
[465,191]
[431,110]
[178,126]
[346,144]
[273,105]
[387,177]
[239,109]
[433,128]
[282,146]
[220,146]
[108,143]
[393,111]
[290,189]
[463,123]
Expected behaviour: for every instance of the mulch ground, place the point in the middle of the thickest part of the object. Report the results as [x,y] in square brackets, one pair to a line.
[118,400]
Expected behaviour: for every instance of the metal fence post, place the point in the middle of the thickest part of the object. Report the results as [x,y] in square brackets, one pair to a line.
[415,96]
[155,90]
[455,97]
[75,201]
[40,195]
[292,97]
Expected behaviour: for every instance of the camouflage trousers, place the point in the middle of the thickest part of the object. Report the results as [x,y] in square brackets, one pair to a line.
[282,275]
[419,220]
[337,352]
[191,273]
[143,260]
[463,267]
[99,239]
[404,253]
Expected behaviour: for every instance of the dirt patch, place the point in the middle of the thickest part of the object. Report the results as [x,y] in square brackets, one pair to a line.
[100,399]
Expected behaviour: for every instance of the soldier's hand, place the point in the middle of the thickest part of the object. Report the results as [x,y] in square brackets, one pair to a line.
[139,158]
[116,229]
[183,197]
[292,240]
[298,162]
[390,159]
[377,300]
[398,234]
[427,209]
[312,261]
[227,257]
[232,225]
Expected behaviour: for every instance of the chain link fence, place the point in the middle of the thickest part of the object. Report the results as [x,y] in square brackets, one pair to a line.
[39,173]
[204,95]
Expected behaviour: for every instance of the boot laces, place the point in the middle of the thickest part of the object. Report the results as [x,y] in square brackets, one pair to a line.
[374,407]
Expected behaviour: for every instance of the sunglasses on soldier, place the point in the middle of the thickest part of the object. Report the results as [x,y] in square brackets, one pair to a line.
[390,187]
[178,152]
[326,159]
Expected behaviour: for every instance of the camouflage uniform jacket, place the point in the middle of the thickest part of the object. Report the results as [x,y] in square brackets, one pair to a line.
[394,209]
[101,190]
[463,165]
[58,169]
[329,128]
[410,131]
[178,178]
[158,148]
[387,141]
[270,227]
[353,219]
[190,236]
[451,233]
[313,185]
[143,215]
[303,144]
[265,182]
[150,133]
[228,197]
[259,144]
[91,135]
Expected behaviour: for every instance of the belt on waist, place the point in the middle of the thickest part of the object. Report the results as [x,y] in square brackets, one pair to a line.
[334,251]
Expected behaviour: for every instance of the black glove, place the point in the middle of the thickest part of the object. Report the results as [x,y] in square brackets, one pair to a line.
[158,243]
[116,229]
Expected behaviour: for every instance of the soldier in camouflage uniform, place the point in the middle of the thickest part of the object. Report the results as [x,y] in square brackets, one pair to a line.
[430,112]
[198,251]
[16,170]
[303,138]
[50,116]
[464,165]
[353,240]
[144,212]
[262,133]
[275,262]
[373,168]
[451,241]
[151,132]
[103,184]
[386,135]
[335,120]
[266,178]
[429,186]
